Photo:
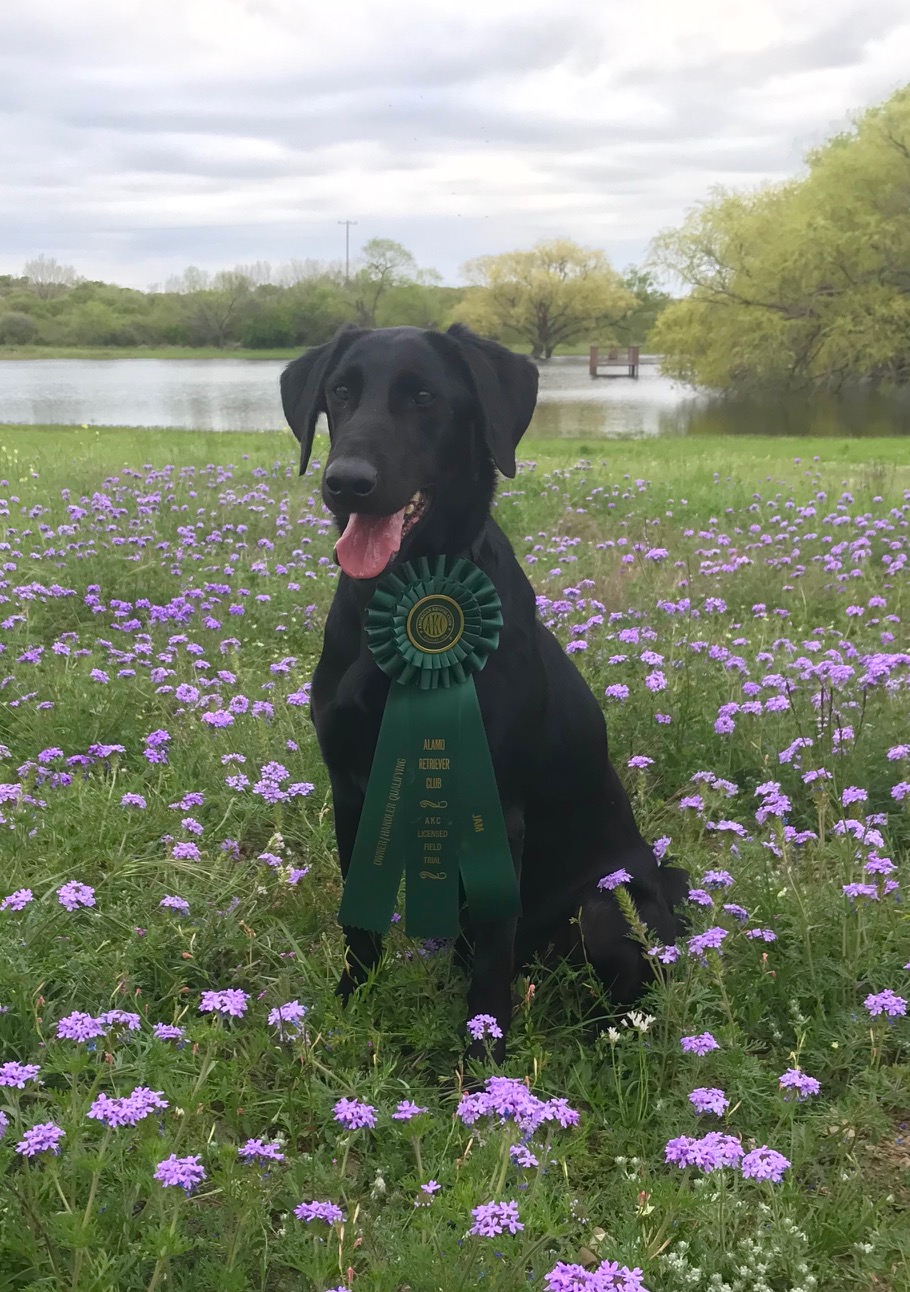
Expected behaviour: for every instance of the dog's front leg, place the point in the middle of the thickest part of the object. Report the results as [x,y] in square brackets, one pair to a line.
[362,948]
[493,967]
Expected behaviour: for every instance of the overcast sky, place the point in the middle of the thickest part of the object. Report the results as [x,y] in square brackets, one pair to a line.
[138,138]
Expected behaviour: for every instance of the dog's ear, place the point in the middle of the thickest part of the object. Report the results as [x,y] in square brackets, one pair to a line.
[303,388]
[506,389]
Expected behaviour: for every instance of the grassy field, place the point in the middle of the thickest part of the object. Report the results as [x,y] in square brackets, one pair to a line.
[739,607]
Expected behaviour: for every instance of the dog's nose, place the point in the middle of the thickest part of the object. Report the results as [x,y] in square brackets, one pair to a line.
[350,480]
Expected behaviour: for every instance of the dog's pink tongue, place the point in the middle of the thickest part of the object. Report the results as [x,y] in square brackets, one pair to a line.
[369,543]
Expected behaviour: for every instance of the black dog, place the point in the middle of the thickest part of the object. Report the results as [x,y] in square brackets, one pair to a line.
[418,420]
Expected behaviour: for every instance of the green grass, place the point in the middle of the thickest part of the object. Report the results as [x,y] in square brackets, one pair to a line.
[99,533]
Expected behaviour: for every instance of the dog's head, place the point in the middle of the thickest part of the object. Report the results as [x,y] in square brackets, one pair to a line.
[416,420]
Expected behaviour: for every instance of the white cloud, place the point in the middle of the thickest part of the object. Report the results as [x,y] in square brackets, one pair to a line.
[135,139]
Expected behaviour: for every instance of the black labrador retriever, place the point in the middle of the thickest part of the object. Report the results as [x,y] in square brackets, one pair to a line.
[419,421]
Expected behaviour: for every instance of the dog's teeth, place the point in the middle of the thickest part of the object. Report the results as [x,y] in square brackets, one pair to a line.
[409,510]
[415,498]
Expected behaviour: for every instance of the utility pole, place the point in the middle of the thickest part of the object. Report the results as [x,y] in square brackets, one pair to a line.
[347,247]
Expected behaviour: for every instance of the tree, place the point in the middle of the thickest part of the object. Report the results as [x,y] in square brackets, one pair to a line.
[17,328]
[383,264]
[48,277]
[804,283]
[554,294]
[214,304]
[635,328]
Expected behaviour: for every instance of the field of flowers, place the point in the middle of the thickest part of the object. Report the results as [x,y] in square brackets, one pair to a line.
[184,1104]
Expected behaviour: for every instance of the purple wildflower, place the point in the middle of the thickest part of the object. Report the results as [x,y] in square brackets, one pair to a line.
[183,1172]
[256,1149]
[79,1027]
[797,1081]
[710,1153]
[885,1002]
[764,1164]
[43,1138]
[175,903]
[288,1018]
[613,880]
[231,1003]
[522,1156]
[484,1025]
[325,1211]
[128,1110]
[352,1114]
[701,1045]
[17,901]
[72,895]
[717,879]
[16,1074]
[168,1032]
[709,1099]
[406,1110]
[494,1218]
[710,940]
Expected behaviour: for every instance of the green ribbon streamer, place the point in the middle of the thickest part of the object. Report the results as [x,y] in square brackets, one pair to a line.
[432,809]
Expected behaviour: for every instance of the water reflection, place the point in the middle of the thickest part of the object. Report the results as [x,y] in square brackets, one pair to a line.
[241,394]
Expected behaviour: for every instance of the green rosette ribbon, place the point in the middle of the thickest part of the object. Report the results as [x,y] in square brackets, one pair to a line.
[432,809]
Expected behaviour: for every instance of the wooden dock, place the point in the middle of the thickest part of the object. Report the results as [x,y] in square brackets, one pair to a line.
[615,362]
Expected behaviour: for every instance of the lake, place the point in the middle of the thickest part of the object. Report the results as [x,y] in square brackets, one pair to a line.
[242,394]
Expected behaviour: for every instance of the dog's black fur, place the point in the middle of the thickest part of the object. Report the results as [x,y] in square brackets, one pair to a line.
[416,410]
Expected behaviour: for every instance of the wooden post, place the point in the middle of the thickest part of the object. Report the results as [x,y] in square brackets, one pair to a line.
[633,361]
[592,361]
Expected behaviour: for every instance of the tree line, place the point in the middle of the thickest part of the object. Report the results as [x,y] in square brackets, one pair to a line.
[800,284]
[555,294]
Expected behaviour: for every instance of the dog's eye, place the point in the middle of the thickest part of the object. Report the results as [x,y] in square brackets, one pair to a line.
[424,397]
[342,393]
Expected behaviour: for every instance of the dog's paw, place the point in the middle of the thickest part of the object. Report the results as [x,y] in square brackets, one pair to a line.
[347,985]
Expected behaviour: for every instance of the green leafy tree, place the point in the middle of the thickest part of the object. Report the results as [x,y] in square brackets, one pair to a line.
[554,294]
[17,328]
[803,283]
[383,265]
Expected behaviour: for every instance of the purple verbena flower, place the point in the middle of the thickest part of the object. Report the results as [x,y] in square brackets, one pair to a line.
[79,1027]
[406,1110]
[256,1149]
[711,939]
[701,1045]
[72,895]
[795,1080]
[230,1003]
[182,1172]
[168,1032]
[325,1211]
[17,901]
[709,1099]
[885,1002]
[494,1218]
[352,1114]
[43,1138]
[764,1164]
[613,880]
[16,1074]
[484,1025]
